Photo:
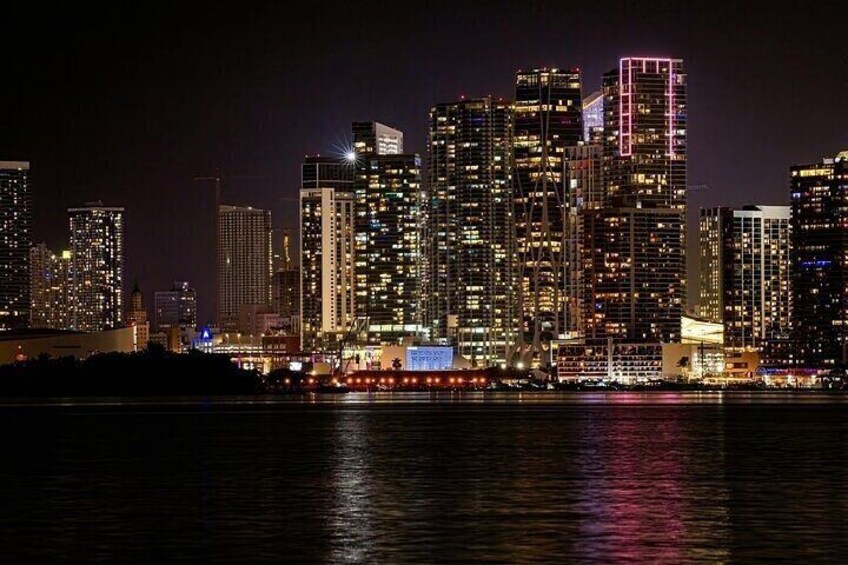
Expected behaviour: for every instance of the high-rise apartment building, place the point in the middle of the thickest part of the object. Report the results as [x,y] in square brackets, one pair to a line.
[389,258]
[326,265]
[593,118]
[548,119]
[176,307]
[645,131]
[325,280]
[744,274]
[15,244]
[819,221]
[469,278]
[637,294]
[244,262]
[50,288]
[633,269]
[97,266]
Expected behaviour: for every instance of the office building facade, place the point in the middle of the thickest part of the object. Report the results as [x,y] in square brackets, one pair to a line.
[176,307]
[374,138]
[137,319]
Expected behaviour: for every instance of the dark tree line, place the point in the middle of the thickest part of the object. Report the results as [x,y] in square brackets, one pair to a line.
[154,372]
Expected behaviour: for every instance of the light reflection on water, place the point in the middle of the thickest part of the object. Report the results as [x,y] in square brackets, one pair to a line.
[537,477]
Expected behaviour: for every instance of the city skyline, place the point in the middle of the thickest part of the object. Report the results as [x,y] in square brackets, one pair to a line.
[233,103]
[424,281]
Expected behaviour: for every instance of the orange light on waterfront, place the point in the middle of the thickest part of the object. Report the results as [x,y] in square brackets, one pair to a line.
[429,380]
[312,381]
[452,380]
[391,380]
[349,380]
[405,380]
[288,381]
[382,380]
[415,380]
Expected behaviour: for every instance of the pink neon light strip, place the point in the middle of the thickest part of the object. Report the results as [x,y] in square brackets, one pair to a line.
[626,118]
[625,141]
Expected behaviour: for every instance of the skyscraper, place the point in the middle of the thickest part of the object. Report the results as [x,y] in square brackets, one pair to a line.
[97,266]
[286,283]
[15,243]
[593,118]
[374,138]
[469,280]
[644,185]
[244,262]
[548,118]
[176,307]
[633,263]
[50,284]
[819,247]
[645,131]
[326,172]
[744,273]
[583,191]
[326,265]
[388,218]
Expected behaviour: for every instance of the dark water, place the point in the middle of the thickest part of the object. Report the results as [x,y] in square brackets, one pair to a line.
[660,478]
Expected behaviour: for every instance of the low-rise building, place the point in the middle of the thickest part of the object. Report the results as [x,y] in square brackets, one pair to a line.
[27,344]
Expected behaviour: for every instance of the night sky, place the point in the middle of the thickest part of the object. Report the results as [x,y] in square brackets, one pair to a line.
[127,105]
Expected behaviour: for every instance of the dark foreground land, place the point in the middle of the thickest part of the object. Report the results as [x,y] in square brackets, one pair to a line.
[150,373]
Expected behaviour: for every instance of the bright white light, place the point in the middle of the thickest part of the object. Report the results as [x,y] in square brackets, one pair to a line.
[350,156]
[519,365]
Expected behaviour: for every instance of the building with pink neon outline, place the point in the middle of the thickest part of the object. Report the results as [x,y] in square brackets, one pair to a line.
[633,245]
[645,131]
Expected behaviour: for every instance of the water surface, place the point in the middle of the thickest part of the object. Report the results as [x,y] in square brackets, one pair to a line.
[390,478]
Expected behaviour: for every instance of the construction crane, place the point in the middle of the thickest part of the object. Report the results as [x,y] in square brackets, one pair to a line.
[216,179]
